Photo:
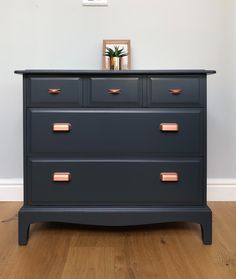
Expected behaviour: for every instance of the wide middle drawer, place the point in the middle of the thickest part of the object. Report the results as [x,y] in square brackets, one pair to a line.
[166,131]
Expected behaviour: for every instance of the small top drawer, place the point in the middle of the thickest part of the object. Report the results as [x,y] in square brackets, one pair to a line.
[115,92]
[55,92]
[175,92]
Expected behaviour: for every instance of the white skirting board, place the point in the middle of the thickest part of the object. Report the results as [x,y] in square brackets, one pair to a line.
[11,189]
[221,189]
[218,189]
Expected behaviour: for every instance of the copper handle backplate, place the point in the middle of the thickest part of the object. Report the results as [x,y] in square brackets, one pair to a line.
[169,176]
[114,91]
[61,127]
[175,91]
[61,176]
[54,90]
[169,127]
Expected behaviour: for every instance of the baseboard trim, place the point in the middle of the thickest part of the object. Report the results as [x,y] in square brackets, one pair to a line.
[11,189]
[218,189]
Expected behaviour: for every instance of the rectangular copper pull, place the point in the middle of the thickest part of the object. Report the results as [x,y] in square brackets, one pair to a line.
[169,176]
[175,91]
[169,127]
[54,90]
[61,127]
[61,176]
[114,91]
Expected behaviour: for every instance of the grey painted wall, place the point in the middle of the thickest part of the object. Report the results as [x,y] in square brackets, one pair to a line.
[165,34]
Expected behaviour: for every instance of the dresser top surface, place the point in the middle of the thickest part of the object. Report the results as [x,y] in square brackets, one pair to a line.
[108,72]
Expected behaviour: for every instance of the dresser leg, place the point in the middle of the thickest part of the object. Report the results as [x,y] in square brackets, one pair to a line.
[206,228]
[23,229]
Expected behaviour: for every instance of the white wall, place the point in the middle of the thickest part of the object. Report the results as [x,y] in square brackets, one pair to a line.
[165,34]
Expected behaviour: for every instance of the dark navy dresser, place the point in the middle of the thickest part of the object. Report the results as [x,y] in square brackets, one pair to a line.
[115,148]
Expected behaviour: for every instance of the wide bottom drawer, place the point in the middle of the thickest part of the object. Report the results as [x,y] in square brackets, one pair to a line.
[120,182]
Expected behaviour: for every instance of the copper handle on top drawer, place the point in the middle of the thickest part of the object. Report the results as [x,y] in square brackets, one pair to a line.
[54,90]
[169,127]
[61,176]
[114,91]
[175,91]
[61,127]
[169,176]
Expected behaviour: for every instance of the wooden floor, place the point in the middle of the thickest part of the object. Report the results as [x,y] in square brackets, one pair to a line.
[163,251]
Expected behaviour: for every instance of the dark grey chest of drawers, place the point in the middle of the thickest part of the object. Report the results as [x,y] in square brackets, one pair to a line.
[115,148]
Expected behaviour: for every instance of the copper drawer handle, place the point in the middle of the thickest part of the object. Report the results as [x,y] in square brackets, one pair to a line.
[114,91]
[169,127]
[175,91]
[61,176]
[169,176]
[54,90]
[61,127]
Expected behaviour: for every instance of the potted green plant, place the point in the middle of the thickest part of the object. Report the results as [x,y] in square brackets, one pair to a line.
[115,56]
